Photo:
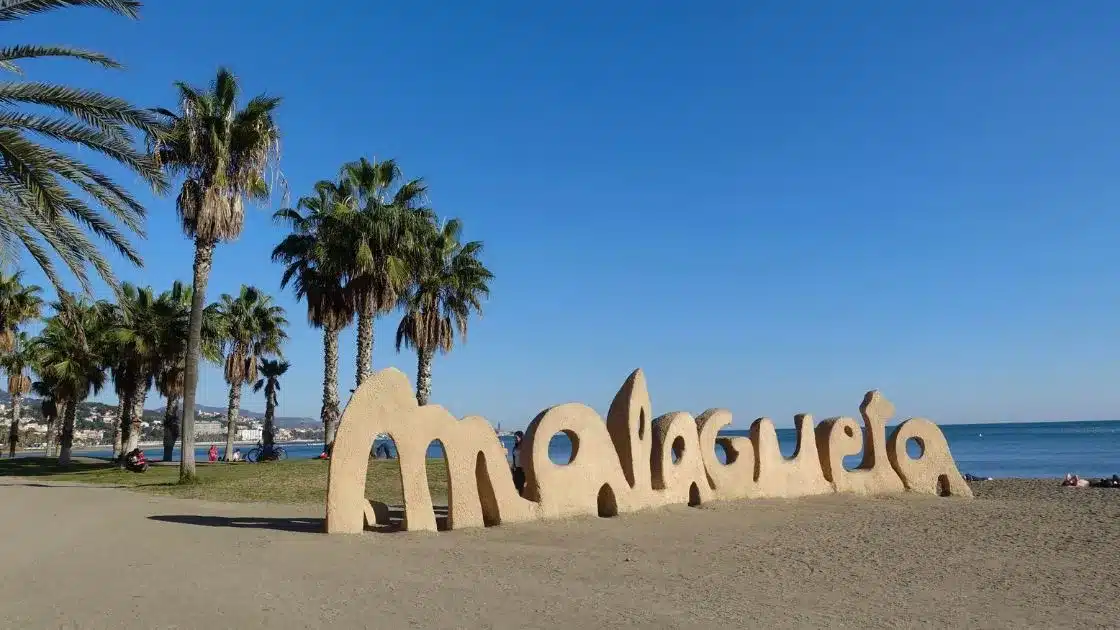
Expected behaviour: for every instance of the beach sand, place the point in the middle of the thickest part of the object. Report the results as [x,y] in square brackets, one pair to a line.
[1023,554]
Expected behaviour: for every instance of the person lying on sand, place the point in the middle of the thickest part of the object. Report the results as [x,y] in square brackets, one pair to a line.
[1072,481]
[1107,483]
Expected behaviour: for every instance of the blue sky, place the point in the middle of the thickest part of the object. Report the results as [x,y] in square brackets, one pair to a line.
[768,206]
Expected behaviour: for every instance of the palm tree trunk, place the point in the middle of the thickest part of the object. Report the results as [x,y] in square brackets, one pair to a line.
[67,441]
[423,375]
[48,446]
[170,427]
[139,395]
[13,430]
[330,414]
[366,314]
[269,415]
[231,418]
[203,259]
[117,428]
[126,422]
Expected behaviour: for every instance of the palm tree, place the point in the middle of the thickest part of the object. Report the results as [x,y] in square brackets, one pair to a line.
[270,371]
[170,371]
[38,205]
[122,386]
[136,335]
[49,408]
[169,384]
[318,279]
[251,326]
[70,362]
[18,304]
[224,156]
[449,283]
[376,239]
[15,362]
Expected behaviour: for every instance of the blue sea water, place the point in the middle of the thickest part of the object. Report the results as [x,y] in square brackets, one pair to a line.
[1040,450]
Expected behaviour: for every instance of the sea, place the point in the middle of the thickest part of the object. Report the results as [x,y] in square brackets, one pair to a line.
[1039,449]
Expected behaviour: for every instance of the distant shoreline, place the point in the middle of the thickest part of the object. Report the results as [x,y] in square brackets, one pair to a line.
[147,445]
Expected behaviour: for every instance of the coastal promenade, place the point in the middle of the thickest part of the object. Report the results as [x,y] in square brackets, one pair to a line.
[1023,554]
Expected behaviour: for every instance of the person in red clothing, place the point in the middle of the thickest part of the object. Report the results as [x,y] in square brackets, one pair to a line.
[135,461]
[213,453]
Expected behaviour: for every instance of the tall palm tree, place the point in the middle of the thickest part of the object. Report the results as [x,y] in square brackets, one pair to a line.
[19,303]
[38,181]
[376,238]
[318,279]
[71,363]
[224,155]
[18,359]
[450,282]
[270,371]
[251,327]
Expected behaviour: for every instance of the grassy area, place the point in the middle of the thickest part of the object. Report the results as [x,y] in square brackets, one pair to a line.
[295,481]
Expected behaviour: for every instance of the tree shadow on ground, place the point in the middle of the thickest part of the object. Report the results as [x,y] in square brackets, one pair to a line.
[62,484]
[304,525]
[46,466]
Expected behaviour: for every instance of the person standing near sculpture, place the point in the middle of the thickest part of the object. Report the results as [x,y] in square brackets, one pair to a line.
[515,463]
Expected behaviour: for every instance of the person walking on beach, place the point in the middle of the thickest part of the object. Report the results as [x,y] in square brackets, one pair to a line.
[515,462]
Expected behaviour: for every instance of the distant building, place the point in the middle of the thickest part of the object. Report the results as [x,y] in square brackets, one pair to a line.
[208,427]
[88,435]
[250,435]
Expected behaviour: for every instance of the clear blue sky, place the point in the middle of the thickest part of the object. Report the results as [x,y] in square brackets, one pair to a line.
[769,206]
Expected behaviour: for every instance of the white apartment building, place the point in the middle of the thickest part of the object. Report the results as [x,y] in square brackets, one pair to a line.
[209,427]
[250,435]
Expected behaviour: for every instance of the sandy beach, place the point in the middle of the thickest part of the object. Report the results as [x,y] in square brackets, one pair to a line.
[1023,554]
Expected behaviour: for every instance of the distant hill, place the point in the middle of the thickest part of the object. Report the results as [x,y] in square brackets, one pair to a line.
[283,422]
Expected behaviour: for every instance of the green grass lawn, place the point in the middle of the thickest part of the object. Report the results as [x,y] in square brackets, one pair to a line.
[295,481]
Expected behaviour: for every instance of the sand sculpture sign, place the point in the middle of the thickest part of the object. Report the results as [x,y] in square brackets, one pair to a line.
[632,462]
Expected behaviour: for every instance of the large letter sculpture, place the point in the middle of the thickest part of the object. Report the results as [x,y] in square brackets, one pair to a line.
[628,463]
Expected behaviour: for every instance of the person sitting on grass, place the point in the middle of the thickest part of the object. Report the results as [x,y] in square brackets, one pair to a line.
[135,460]
[236,454]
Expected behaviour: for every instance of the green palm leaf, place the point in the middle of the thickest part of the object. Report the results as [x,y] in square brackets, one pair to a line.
[14,53]
[51,203]
[17,9]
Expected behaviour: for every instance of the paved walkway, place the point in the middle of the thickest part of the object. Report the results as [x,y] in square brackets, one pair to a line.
[81,557]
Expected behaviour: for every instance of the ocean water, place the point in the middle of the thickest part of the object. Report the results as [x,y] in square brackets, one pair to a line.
[1041,450]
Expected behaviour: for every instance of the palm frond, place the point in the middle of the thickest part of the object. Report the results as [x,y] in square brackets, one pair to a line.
[449,284]
[18,9]
[10,54]
[110,114]
[224,154]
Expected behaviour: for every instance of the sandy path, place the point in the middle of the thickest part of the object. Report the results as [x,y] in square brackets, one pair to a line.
[1026,554]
